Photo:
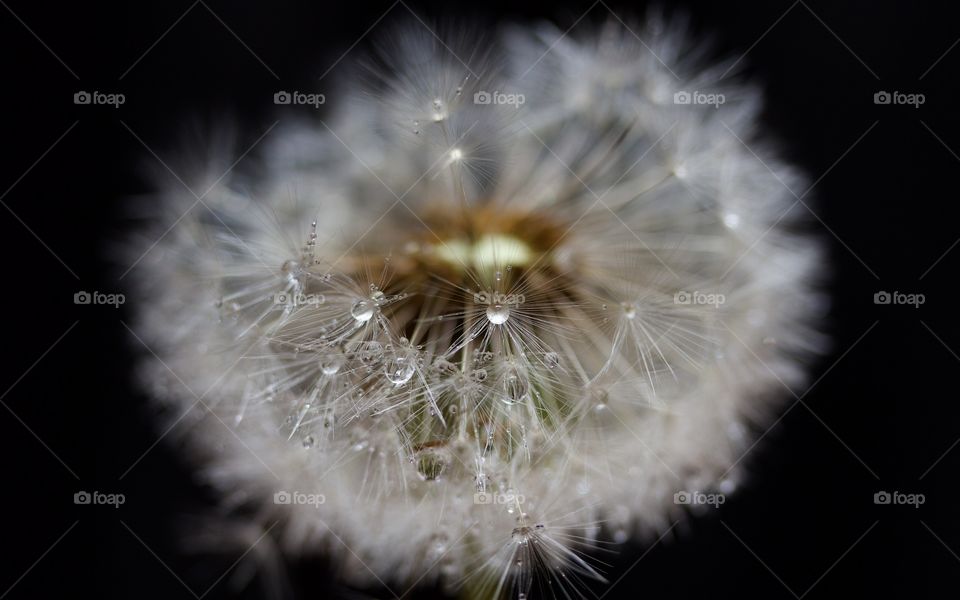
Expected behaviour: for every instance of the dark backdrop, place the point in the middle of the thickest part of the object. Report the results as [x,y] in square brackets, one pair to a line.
[881,416]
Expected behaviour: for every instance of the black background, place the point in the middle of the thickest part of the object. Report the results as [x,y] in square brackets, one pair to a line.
[804,525]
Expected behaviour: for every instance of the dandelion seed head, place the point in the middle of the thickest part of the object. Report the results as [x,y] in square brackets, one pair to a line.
[491,337]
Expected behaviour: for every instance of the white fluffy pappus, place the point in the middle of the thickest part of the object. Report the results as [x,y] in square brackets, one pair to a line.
[491,314]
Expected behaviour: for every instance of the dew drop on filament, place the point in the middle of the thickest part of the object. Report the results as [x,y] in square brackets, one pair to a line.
[399,369]
[551,359]
[498,314]
[516,388]
[331,363]
[362,310]
[444,367]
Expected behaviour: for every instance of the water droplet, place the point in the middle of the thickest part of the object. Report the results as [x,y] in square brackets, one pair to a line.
[430,465]
[377,296]
[731,220]
[516,388]
[599,396]
[444,367]
[362,310]
[368,352]
[308,441]
[629,310]
[399,369]
[479,375]
[498,314]
[438,112]
[551,359]
[331,363]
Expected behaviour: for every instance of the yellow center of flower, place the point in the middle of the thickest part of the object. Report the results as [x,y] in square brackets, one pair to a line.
[485,253]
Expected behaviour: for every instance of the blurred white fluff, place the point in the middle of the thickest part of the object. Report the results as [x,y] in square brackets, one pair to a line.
[489,336]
